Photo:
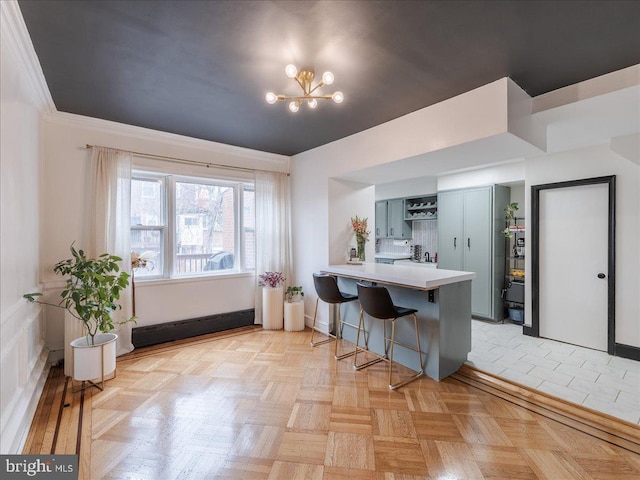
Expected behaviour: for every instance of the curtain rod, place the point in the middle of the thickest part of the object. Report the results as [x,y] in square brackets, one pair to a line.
[190,162]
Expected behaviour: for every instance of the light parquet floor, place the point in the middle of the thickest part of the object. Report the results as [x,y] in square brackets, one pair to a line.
[265,405]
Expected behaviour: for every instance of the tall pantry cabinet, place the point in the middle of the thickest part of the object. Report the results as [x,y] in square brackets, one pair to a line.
[470,224]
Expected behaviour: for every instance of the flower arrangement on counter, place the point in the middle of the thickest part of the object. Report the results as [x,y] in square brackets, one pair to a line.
[359,226]
[271,279]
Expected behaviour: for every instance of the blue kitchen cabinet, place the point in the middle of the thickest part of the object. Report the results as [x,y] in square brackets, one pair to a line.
[470,223]
[390,221]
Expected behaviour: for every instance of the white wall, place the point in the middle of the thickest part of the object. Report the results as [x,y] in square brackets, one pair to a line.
[65,162]
[348,200]
[413,187]
[22,354]
[498,174]
[595,162]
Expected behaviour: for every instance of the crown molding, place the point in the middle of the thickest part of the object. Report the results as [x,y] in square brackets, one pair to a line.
[16,36]
[276,161]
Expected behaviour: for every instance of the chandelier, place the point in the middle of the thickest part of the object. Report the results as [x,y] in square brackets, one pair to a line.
[305,80]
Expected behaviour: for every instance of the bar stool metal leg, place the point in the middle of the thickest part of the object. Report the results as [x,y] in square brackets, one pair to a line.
[342,323]
[357,366]
[313,329]
[419,350]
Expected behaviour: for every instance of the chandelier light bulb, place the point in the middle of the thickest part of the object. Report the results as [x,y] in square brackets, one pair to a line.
[327,78]
[271,98]
[337,97]
[313,103]
[293,107]
[291,71]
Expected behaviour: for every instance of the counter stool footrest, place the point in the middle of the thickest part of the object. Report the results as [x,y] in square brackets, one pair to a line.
[370,362]
[321,342]
[345,355]
[404,382]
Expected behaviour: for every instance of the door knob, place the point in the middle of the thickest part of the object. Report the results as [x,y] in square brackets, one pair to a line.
[601,275]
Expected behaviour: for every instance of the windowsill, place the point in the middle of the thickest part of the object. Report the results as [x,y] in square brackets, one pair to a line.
[152,282]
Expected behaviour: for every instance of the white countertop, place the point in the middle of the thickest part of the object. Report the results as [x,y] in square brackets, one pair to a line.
[403,275]
[392,256]
[413,263]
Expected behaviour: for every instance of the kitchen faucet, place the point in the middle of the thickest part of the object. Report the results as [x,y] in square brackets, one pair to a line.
[427,257]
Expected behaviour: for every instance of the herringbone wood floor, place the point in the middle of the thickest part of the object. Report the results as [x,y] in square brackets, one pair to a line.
[265,405]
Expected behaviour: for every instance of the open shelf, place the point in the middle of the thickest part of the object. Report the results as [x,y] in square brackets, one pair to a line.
[421,208]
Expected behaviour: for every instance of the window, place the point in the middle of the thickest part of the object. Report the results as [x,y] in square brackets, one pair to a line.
[191,226]
[148,224]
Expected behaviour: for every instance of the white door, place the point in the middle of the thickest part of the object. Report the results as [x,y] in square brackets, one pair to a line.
[573,252]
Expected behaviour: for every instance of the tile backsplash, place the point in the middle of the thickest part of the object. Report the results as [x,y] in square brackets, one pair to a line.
[425,233]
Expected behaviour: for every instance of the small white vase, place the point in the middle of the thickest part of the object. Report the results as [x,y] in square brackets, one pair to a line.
[272,308]
[94,361]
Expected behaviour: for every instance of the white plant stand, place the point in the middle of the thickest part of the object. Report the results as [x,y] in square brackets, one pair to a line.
[294,316]
[272,308]
[94,362]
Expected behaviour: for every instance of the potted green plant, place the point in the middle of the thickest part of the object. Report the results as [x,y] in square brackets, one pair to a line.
[509,214]
[294,294]
[91,295]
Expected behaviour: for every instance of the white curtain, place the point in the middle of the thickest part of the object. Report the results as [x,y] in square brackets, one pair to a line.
[109,202]
[273,229]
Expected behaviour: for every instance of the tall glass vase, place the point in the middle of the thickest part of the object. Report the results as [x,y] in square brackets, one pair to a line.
[360,240]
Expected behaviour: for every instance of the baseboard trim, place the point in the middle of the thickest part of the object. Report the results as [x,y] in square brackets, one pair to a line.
[34,389]
[600,425]
[627,351]
[171,331]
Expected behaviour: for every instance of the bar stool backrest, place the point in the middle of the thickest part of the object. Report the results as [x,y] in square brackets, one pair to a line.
[327,288]
[376,301]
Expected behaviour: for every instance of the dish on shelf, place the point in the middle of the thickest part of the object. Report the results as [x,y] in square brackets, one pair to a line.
[516,272]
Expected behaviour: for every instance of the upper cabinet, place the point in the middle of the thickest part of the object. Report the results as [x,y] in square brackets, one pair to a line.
[390,219]
[381,219]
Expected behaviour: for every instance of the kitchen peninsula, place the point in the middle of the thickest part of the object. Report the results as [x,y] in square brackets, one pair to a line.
[443,301]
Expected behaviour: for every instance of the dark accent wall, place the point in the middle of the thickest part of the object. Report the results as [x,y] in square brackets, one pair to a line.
[167,332]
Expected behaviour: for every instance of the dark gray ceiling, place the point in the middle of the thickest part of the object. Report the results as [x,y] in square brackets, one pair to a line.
[202,68]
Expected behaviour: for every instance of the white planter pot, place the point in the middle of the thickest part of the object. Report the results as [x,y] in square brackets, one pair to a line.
[294,316]
[272,308]
[94,362]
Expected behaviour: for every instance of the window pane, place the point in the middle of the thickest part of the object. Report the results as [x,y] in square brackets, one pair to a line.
[149,245]
[146,201]
[249,217]
[205,228]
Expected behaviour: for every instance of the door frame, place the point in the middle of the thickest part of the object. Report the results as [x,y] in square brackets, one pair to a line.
[610,180]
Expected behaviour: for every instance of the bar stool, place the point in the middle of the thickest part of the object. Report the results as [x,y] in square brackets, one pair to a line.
[328,291]
[376,302]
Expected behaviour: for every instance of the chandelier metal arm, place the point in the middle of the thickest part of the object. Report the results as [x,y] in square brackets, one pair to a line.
[303,97]
[315,88]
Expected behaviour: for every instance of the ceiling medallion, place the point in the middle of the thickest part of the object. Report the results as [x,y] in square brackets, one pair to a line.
[305,80]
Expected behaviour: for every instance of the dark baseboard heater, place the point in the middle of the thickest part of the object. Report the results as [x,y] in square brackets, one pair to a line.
[179,330]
